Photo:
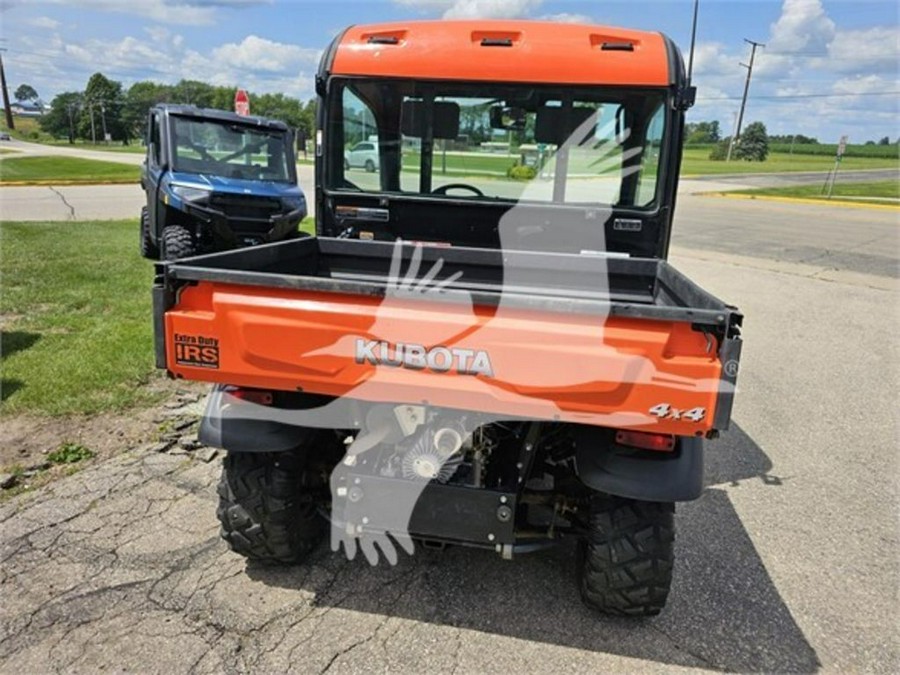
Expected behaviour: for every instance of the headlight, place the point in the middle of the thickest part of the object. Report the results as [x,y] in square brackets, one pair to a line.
[190,194]
[294,203]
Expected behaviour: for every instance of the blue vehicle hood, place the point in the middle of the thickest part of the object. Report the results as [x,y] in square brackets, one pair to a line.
[239,186]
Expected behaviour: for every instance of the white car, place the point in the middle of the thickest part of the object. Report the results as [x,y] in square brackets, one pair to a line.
[363,155]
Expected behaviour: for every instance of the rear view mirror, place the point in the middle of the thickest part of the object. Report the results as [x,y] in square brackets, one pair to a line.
[507,117]
[445,124]
[551,128]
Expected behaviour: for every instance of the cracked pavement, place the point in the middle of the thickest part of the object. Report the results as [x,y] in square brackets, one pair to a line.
[120,567]
[788,563]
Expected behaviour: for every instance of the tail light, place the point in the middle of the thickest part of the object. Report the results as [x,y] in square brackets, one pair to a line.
[258,396]
[645,441]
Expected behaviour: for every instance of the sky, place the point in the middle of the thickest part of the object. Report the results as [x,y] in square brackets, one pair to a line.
[829,68]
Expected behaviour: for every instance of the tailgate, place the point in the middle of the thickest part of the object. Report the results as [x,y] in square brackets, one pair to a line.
[591,367]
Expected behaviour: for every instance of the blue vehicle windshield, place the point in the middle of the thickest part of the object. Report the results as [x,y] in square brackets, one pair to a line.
[222,148]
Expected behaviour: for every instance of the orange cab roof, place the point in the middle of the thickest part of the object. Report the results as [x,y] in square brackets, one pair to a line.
[505,51]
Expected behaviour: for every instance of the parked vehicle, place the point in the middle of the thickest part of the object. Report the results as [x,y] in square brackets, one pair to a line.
[363,155]
[548,374]
[215,180]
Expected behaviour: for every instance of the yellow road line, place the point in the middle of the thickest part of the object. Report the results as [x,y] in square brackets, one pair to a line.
[802,200]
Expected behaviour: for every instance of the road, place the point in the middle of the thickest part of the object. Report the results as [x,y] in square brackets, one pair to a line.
[26,148]
[788,563]
[776,180]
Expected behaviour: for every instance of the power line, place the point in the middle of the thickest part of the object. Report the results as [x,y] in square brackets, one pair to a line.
[737,133]
[798,96]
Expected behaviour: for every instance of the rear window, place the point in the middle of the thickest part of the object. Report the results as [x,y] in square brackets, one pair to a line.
[500,142]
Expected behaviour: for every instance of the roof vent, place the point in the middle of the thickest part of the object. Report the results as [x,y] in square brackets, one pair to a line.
[496,38]
[618,47]
[496,42]
[385,37]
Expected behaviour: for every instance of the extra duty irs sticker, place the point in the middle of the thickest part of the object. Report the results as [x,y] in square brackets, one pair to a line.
[196,350]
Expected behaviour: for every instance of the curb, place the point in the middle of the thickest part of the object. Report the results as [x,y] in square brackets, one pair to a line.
[801,200]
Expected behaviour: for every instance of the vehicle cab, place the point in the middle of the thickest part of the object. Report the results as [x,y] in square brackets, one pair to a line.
[577,127]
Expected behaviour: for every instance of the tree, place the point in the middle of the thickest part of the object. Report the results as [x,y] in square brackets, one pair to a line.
[26,92]
[64,116]
[885,141]
[702,132]
[139,98]
[753,145]
[193,92]
[720,151]
[103,102]
[278,106]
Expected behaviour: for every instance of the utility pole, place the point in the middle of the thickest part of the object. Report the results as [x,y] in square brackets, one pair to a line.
[93,129]
[9,118]
[737,133]
[103,118]
[69,108]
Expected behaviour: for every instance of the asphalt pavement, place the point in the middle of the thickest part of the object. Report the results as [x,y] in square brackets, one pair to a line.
[787,563]
[792,178]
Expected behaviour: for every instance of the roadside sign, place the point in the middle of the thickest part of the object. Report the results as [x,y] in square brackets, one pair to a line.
[241,103]
[842,146]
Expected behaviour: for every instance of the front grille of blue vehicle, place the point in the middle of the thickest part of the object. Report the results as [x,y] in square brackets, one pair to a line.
[246,207]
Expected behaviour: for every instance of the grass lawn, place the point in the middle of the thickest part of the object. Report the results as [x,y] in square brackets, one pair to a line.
[696,162]
[76,317]
[889,189]
[69,169]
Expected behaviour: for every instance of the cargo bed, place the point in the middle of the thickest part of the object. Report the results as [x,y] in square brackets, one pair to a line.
[266,314]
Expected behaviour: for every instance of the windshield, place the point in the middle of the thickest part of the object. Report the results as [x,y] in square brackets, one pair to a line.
[226,149]
[484,140]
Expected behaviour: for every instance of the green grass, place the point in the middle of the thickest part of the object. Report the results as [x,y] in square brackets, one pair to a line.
[889,189]
[70,453]
[76,317]
[308,225]
[29,129]
[830,150]
[696,162]
[68,169]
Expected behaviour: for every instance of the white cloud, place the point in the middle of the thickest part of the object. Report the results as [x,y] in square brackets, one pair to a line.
[177,12]
[475,9]
[566,17]
[867,84]
[828,80]
[259,54]
[875,49]
[802,26]
[259,64]
[44,22]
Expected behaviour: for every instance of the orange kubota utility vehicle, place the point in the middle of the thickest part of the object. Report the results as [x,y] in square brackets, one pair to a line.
[484,345]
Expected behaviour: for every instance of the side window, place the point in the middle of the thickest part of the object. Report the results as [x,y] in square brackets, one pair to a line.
[360,133]
[650,158]
[154,139]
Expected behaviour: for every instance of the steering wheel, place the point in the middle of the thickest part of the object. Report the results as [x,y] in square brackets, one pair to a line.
[457,186]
